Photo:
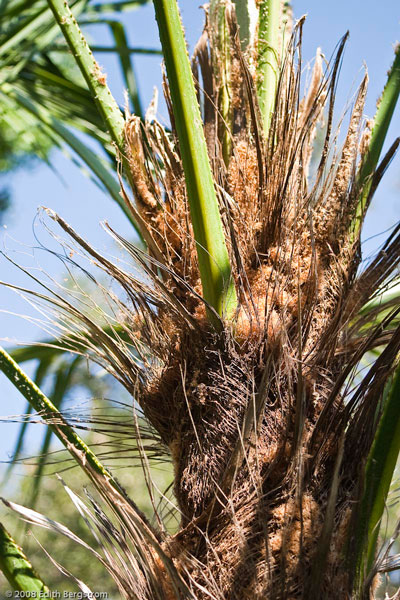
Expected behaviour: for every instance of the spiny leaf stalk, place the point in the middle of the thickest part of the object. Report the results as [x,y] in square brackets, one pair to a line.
[214,265]
[91,71]
[48,411]
[16,567]
[268,60]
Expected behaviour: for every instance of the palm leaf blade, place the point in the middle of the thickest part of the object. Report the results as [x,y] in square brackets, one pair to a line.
[379,471]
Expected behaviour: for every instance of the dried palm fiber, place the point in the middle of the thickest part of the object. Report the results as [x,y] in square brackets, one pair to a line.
[259,417]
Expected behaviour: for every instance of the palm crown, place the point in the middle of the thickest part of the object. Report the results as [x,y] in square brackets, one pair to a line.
[241,339]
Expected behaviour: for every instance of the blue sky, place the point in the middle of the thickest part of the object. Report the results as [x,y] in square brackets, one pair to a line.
[373,31]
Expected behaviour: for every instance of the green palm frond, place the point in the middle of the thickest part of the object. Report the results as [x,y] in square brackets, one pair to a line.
[41,82]
[379,471]
[386,106]
[117,6]
[121,43]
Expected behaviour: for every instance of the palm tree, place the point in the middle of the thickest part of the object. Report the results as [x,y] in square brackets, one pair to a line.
[241,341]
